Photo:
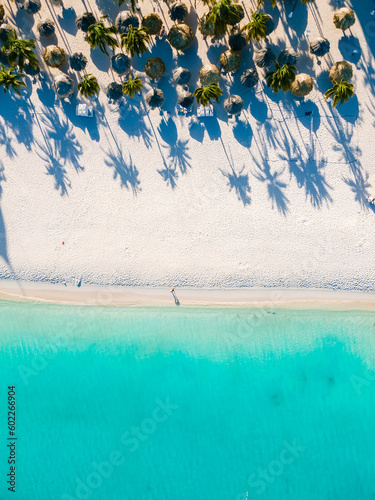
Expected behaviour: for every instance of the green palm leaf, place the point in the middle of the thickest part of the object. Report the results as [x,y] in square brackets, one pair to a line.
[132,3]
[99,35]
[222,14]
[282,78]
[11,80]
[19,51]
[256,28]
[132,85]
[341,92]
[135,41]
[208,93]
[89,86]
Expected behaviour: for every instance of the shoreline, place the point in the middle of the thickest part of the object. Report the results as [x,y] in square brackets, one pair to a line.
[94,295]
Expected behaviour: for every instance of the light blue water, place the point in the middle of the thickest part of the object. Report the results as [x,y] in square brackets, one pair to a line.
[188,404]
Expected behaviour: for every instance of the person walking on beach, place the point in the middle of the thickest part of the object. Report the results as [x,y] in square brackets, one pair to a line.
[176,301]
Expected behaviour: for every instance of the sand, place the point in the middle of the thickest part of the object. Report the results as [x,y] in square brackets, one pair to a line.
[255,298]
[132,198]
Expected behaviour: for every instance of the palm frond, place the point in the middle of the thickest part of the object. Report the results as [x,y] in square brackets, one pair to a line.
[256,28]
[99,35]
[208,93]
[19,51]
[11,80]
[282,78]
[341,92]
[135,41]
[132,85]
[89,86]
[222,14]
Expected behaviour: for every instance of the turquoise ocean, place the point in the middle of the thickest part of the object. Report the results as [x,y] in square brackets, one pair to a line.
[188,404]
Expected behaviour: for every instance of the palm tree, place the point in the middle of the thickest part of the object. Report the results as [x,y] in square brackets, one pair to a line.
[10,79]
[341,92]
[260,3]
[282,78]
[132,85]
[19,51]
[135,40]
[208,93]
[89,86]
[100,36]
[222,13]
[133,4]
[256,28]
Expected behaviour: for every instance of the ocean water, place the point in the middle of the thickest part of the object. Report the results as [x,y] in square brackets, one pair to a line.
[188,404]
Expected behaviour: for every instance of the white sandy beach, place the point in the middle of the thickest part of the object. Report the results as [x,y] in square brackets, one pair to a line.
[255,298]
[276,199]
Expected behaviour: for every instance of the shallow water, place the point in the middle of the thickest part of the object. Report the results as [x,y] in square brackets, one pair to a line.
[189,404]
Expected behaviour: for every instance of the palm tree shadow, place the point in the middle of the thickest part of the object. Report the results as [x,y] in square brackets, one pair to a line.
[342,133]
[259,109]
[59,149]
[62,135]
[275,187]
[168,131]
[3,240]
[239,182]
[101,60]
[127,172]
[347,44]
[242,131]
[213,128]
[46,95]
[179,157]
[196,132]
[67,21]
[6,140]
[359,185]
[18,119]
[133,124]
[310,175]
[349,111]
[55,167]
[169,175]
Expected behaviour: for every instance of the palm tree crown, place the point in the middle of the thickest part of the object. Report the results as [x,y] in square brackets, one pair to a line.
[133,4]
[222,14]
[10,79]
[341,92]
[101,36]
[260,3]
[282,78]
[89,86]
[19,51]
[256,28]
[208,93]
[135,41]
[132,85]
